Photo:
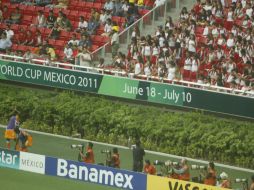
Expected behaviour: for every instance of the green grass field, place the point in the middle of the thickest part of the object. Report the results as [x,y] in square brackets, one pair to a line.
[59,147]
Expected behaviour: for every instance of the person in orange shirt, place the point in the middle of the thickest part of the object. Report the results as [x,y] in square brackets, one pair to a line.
[89,155]
[115,159]
[24,140]
[149,168]
[211,175]
[183,172]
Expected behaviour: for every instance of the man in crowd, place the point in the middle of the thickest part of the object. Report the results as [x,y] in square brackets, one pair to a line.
[88,157]
[138,154]
[114,43]
[211,175]
[5,43]
[149,168]
[115,159]
[183,171]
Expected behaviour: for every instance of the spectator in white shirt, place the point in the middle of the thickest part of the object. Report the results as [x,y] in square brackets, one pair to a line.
[5,43]
[40,20]
[230,41]
[108,6]
[82,24]
[73,40]
[249,10]
[9,32]
[68,52]
[107,28]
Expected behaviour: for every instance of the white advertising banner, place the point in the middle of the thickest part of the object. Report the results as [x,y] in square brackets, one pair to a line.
[32,162]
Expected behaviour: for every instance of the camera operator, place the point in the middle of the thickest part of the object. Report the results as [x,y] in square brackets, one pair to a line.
[252,183]
[138,154]
[210,178]
[183,171]
[115,159]
[149,168]
[88,157]
[224,181]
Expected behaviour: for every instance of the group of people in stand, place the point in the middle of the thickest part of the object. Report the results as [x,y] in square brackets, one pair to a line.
[210,44]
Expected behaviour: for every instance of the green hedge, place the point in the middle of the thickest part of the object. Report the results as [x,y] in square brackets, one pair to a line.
[187,134]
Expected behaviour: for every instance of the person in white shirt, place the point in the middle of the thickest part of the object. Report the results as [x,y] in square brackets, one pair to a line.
[108,6]
[9,32]
[68,52]
[40,20]
[206,30]
[147,69]
[125,7]
[146,51]
[73,40]
[249,10]
[5,43]
[138,66]
[171,71]
[195,64]
[107,28]
[192,44]
[82,24]
[103,17]
[83,58]
[187,62]
[230,41]
[114,43]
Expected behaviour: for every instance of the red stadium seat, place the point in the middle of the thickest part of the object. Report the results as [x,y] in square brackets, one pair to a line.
[97,6]
[27,20]
[64,35]
[30,10]
[59,44]
[15,27]
[74,15]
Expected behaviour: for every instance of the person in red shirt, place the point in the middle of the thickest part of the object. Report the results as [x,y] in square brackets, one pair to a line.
[211,175]
[149,168]
[197,7]
[89,155]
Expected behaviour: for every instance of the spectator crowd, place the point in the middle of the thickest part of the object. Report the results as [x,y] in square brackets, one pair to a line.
[63,30]
[210,44]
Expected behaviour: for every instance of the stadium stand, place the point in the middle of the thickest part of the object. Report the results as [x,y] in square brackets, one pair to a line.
[79,17]
[210,44]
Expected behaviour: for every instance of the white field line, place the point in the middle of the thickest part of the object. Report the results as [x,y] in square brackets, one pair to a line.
[147,151]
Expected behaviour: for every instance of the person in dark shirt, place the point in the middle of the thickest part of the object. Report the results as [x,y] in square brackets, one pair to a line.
[51,19]
[138,155]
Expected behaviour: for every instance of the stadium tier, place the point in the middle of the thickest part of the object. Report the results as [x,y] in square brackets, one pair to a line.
[209,45]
